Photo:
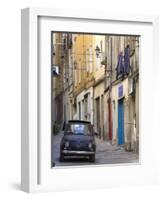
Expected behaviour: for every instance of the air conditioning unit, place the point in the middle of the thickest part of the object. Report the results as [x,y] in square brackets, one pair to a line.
[55,70]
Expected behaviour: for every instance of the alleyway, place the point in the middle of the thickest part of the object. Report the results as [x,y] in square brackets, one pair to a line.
[105,154]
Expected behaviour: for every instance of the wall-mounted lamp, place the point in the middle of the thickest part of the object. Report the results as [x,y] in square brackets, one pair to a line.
[55,70]
[98,51]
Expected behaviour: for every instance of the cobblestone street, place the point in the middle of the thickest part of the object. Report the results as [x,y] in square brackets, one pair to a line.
[105,154]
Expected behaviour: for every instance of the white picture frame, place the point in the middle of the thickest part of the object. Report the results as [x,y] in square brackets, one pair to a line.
[36,174]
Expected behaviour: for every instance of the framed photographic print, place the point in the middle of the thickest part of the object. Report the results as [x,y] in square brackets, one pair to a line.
[88,118]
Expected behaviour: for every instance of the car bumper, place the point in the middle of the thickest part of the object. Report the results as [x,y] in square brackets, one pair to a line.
[69,152]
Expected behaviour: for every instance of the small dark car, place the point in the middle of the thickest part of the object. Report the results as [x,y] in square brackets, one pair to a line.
[78,140]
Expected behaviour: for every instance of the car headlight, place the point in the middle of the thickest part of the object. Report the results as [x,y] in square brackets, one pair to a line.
[67,144]
[90,145]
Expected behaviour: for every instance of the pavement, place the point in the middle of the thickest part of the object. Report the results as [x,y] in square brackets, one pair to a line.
[105,154]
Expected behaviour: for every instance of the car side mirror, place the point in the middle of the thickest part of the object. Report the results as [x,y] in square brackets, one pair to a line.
[95,133]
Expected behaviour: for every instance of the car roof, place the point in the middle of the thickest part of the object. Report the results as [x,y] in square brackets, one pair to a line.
[79,121]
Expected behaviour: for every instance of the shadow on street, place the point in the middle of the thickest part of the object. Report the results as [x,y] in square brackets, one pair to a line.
[105,154]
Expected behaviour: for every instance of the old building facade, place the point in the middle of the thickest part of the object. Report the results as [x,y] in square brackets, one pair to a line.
[122,90]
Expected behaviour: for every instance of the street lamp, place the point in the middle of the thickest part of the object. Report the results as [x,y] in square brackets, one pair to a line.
[55,70]
[98,51]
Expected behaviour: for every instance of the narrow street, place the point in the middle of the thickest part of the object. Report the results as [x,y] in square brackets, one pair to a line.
[105,154]
[96,79]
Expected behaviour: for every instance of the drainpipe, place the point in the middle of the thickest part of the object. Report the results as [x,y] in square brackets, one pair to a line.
[111,64]
[110,84]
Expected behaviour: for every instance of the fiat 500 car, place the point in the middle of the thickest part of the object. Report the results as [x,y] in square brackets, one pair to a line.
[78,140]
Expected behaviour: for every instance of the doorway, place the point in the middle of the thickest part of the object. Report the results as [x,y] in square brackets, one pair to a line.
[120,122]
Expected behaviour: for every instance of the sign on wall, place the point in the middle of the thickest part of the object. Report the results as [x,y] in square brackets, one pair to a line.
[120,91]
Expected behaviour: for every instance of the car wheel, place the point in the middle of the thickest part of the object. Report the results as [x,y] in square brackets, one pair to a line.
[92,158]
[61,158]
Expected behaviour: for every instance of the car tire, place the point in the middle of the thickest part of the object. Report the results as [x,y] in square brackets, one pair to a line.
[61,158]
[92,158]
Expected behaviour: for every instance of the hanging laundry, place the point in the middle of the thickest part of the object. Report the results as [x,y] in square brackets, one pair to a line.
[127,60]
[120,65]
[128,53]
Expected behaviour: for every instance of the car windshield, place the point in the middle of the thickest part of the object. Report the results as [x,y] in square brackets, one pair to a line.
[79,128]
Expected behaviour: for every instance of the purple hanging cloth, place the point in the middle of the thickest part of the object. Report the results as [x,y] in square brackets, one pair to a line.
[127,60]
[120,65]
